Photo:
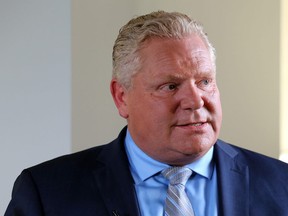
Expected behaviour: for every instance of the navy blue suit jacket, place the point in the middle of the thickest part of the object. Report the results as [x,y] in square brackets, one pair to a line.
[97,182]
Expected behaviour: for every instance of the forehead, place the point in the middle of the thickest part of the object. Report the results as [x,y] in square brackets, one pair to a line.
[176,54]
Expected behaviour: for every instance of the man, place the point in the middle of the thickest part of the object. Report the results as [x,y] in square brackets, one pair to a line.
[164,84]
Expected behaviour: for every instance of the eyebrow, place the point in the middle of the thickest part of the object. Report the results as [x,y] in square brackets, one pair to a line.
[182,76]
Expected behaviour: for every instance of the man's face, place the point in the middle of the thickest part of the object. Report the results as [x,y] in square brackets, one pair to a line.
[173,107]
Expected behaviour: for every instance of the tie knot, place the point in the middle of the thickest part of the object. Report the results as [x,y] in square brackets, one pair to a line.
[177,175]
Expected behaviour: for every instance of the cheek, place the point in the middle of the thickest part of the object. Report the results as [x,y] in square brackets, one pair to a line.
[215,109]
[167,106]
[161,104]
[213,106]
[141,107]
[160,113]
[214,102]
[217,104]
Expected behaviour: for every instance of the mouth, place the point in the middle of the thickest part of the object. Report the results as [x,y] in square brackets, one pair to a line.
[196,124]
[195,128]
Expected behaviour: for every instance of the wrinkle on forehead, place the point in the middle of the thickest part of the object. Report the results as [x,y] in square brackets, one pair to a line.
[198,61]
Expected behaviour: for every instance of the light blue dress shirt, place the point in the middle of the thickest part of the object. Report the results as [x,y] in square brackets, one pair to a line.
[151,186]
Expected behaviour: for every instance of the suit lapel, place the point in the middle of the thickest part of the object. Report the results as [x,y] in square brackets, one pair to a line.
[114,180]
[233,181]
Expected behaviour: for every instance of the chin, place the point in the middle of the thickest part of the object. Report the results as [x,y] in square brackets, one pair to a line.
[197,150]
[184,159]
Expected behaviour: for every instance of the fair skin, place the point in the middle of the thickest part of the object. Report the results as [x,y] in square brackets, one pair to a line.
[173,106]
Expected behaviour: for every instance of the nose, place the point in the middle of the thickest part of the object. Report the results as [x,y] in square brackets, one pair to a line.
[191,97]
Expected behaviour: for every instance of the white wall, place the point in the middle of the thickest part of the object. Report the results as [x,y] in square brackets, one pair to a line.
[95,26]
[284,82]
[246,36]
[35,86]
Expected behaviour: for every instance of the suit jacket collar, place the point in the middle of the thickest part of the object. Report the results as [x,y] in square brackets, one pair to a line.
[233,181]
[114,180]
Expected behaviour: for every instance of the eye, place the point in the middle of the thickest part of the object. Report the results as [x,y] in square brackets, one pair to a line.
[206,82]
[169,87]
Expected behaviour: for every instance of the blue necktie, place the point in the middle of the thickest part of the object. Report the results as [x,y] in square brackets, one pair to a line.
[177,202]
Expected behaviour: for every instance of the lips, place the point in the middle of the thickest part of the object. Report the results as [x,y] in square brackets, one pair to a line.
[196,124]
[196,127]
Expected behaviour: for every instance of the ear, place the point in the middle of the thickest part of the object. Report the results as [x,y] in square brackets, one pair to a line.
[119,94]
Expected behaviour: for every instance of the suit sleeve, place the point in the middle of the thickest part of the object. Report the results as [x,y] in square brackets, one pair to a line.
[25,197]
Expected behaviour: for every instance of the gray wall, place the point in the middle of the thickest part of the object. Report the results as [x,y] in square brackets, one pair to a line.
[55,71]
[35,86]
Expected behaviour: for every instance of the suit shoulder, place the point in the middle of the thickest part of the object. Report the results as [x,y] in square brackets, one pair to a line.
[80,163]
[256,161]
[70,164]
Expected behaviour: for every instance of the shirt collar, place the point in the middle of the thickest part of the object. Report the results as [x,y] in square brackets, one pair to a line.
[143,166]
